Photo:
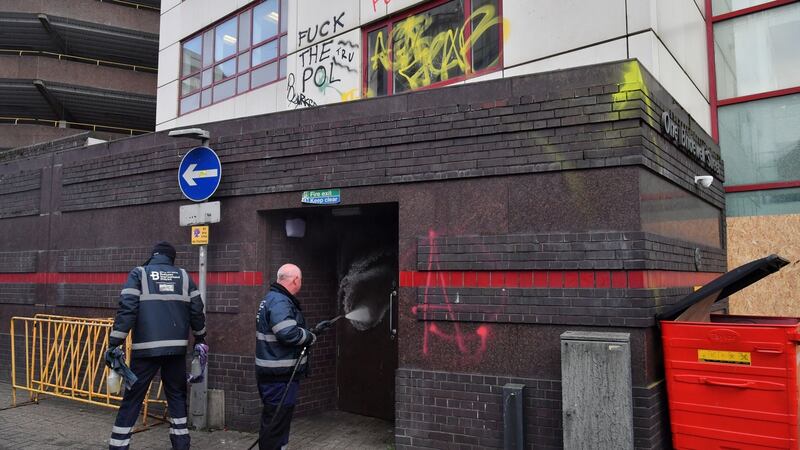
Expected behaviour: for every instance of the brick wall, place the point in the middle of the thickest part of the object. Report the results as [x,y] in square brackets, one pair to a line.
[600,307]
[235,374]
[220,299]
[18,293]
[47,148]
[544,124]
[446,410]
[18,262]
[20,193]
[604,250]
[318,301]
[510,126]
[221,257]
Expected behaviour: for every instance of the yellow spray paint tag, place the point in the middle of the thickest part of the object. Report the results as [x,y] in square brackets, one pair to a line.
[725,357]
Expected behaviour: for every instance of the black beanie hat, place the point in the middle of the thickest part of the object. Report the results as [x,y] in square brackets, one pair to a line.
[164,248]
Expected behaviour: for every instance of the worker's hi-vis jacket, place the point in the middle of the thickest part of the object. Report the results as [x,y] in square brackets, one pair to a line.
[159,302]
[280,336]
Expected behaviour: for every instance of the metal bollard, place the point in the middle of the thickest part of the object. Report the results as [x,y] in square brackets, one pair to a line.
[513,418]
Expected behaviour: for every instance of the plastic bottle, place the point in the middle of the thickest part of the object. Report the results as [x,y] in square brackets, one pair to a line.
[114,382]
[196,369]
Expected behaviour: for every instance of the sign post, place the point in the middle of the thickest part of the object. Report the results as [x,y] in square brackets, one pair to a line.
[199,175]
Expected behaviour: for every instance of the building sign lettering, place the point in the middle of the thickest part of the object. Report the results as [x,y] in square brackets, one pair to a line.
[687,140]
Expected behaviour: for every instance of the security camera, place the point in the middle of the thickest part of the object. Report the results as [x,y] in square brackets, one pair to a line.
[703,180]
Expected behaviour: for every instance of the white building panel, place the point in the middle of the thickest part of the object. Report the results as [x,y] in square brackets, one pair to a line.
[701,5]
[542,28]
[166,5]
[488,76]
[259,101]
[318,21]
[641,15]
[166,103]
[169,64]
[600,53]
[325,48]
[192,16]
[681,27]
[328,71]
[371,11]
[395,6]
[658,61]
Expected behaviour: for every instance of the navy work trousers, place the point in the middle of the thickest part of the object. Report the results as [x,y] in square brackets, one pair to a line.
[173,378]
[276,419]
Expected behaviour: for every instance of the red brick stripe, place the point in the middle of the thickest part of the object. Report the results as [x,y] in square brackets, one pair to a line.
[214,278]
[602,279]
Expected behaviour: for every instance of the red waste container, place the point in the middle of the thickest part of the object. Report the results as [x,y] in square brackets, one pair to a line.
[732,381]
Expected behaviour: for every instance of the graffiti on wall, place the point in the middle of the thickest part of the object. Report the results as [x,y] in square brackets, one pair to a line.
[328,27]
[375,4]
[433,47]
[470,344]
[326,70]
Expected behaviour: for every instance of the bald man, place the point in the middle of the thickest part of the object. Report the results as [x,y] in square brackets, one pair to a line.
[281,334]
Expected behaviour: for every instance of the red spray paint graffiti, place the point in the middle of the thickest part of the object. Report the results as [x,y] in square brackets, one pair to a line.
[472,346]
[375,4]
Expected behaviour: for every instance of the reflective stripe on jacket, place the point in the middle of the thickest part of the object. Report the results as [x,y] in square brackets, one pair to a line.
[280,336]
[159,303]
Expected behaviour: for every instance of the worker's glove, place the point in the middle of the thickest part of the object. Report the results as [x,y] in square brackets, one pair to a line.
[322,326]
[112,354]
[200,340]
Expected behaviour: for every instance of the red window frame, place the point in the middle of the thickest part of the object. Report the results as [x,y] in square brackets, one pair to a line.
[235,57]
[716,103]
[389,24]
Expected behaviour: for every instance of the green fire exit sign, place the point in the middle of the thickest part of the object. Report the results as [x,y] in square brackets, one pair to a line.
[322,197]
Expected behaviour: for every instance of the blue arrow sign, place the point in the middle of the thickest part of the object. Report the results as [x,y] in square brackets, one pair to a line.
[199,174]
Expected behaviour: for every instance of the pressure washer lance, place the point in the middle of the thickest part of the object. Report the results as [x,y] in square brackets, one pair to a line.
[318,328]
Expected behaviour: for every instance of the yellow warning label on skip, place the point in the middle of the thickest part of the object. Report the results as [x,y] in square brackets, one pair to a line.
[720,356]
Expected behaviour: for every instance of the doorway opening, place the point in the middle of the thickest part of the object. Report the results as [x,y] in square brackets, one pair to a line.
[349,259]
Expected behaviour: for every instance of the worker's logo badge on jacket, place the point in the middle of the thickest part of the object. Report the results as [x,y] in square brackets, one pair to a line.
[164,287]
[164,276]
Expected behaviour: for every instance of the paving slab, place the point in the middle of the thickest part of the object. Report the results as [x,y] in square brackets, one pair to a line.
[56,423]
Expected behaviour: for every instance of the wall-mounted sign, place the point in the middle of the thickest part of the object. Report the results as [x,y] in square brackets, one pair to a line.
[687,140]
[200,235]
[322,197]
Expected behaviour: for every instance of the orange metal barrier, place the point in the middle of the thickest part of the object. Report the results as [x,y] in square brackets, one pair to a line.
[64,357]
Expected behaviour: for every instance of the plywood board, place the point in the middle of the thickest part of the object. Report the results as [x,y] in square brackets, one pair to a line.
[754,237]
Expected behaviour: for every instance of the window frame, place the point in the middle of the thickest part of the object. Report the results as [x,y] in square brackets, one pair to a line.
[281,34]
[389,23]
[711,20]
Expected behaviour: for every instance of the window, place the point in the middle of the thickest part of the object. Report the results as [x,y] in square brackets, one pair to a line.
[435,45]
[757,68]
[760,140]
[763,203]
[758,52]
[726,6]
[240,53]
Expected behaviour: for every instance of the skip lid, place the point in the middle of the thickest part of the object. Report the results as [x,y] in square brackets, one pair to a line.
[725,285]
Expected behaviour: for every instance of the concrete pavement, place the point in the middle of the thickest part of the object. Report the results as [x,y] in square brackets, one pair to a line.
[65,424]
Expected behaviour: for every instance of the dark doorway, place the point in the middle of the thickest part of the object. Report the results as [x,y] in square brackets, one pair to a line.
[367,270]
[349,258]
